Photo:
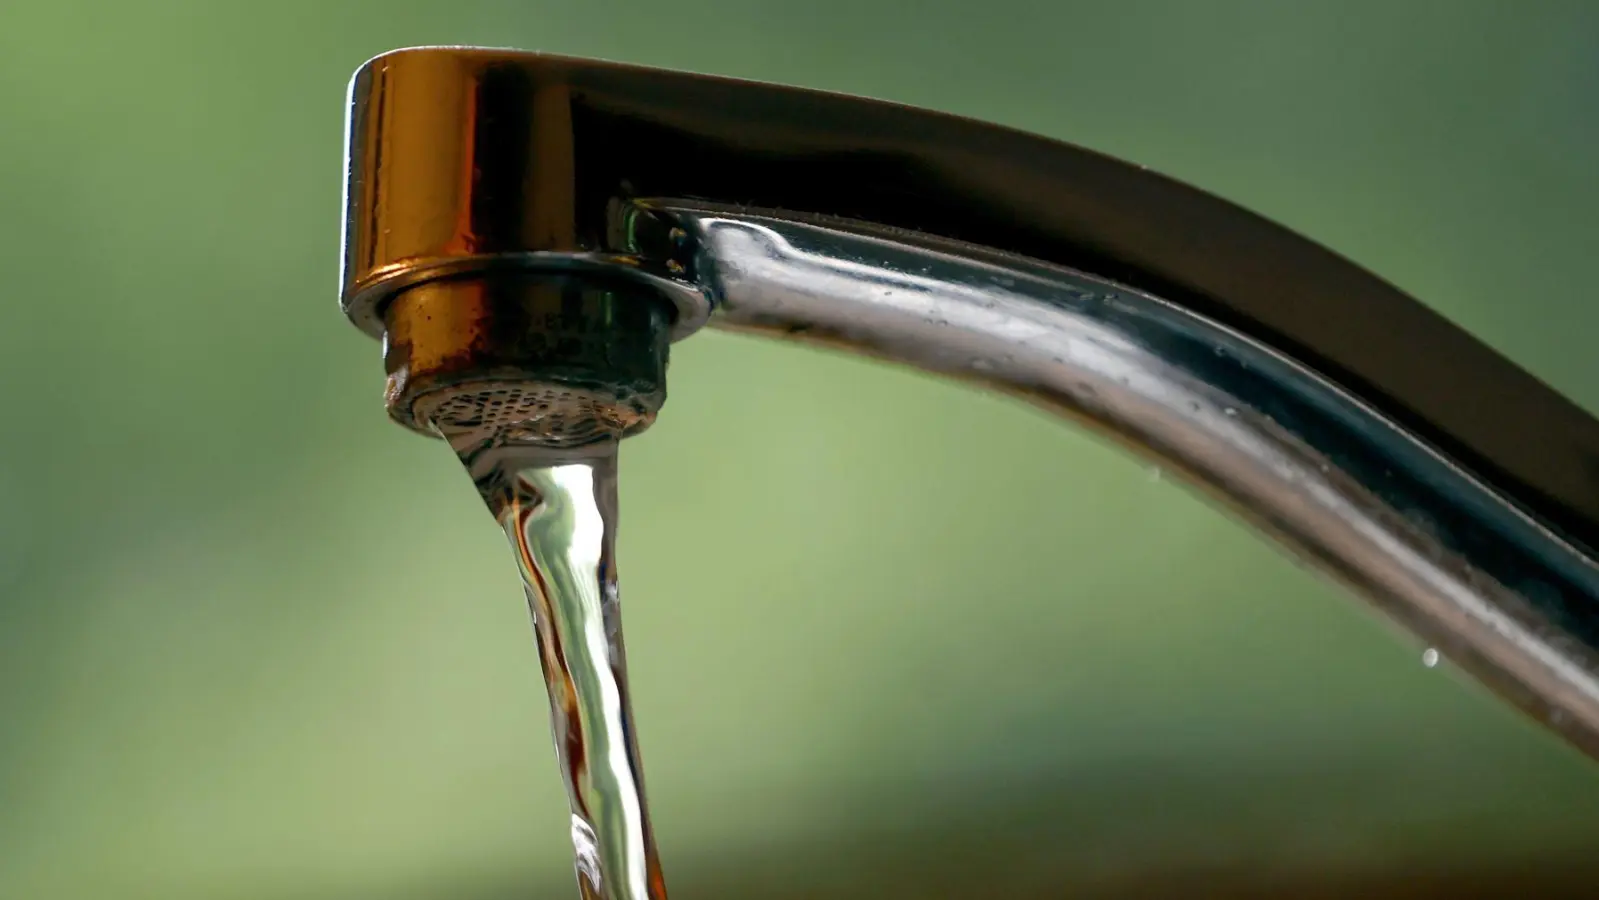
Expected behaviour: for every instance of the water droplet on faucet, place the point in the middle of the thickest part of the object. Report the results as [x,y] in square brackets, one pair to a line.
[1430,657]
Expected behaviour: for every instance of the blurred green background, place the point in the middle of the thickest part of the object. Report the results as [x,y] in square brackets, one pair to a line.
[257,642]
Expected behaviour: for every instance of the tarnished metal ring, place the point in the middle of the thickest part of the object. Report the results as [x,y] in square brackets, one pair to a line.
[364,306]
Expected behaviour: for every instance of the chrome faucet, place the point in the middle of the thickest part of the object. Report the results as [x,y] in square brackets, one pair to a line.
[527,233]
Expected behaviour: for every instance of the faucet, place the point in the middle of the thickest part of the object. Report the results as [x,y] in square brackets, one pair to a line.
[528,234]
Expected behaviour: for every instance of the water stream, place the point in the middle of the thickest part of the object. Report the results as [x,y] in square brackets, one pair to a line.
[560,517]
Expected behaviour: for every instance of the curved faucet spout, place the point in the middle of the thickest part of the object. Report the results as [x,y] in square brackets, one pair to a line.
[1339,416]
[1308,463]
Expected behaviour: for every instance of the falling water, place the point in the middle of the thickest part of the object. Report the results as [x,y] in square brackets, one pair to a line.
[561,518]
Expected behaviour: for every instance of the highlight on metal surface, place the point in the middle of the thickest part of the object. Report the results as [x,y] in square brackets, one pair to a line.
[1341,417]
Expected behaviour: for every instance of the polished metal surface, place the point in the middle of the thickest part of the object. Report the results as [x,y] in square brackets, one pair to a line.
[463,158]
[1337,484]
[1340,416]
[457,166]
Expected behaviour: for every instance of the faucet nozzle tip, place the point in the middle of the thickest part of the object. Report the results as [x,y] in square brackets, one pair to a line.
[550,361]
